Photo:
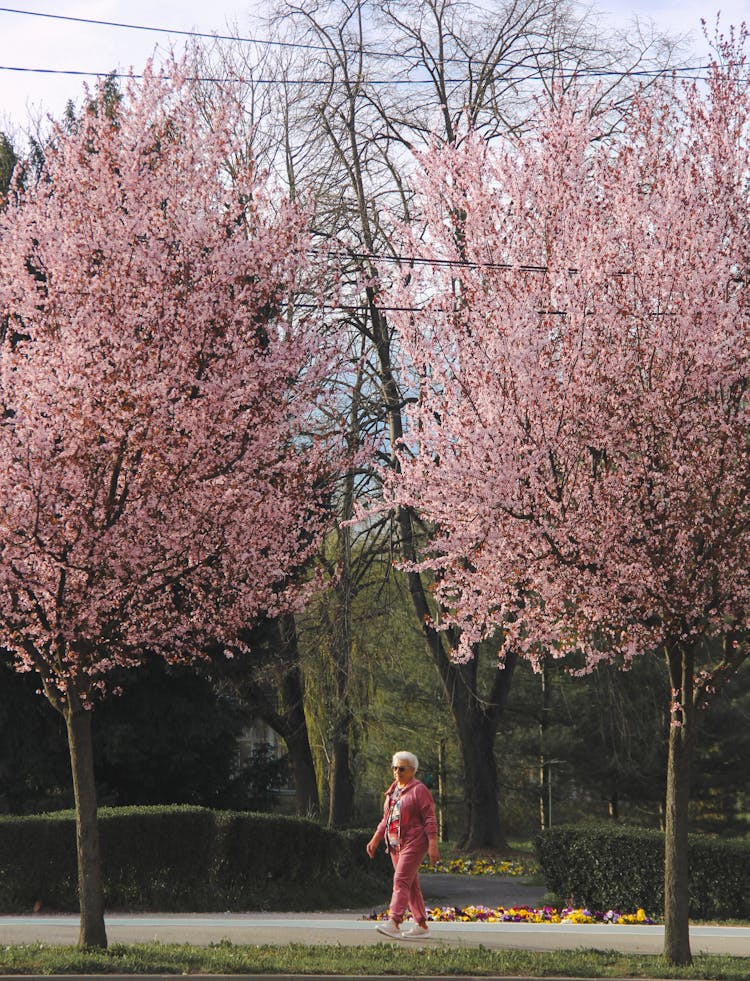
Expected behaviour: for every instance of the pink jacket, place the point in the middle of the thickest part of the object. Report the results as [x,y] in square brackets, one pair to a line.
[417,812]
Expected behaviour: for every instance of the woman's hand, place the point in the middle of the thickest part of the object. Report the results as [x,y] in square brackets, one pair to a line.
[432,851]
[371,846]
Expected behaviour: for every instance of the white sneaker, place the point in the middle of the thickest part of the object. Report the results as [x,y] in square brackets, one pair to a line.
[390,929]
[417,933]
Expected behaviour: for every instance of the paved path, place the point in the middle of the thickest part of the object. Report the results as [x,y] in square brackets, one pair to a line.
[449,889]
[348,927]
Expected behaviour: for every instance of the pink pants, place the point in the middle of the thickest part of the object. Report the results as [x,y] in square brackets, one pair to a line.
[406,892]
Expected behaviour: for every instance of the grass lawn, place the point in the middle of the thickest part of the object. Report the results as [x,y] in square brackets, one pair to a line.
[228,958]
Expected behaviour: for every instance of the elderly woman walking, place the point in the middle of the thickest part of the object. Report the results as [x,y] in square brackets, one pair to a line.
[410,831]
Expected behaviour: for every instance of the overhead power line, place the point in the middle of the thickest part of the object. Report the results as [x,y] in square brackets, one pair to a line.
[418,260]
[81,73]
[171,30]
[307,46]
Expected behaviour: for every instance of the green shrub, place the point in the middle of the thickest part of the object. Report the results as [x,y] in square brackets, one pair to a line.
[156,857]
[274,862]
[37,861]
[719,877]
[613,867]
[185,858]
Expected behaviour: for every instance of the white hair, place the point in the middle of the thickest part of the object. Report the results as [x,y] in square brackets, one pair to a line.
[408,758]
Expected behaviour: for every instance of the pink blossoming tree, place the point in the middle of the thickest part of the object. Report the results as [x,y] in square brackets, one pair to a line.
[158,485]
[580,439]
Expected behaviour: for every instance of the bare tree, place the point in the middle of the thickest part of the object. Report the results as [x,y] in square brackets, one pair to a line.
[368,83]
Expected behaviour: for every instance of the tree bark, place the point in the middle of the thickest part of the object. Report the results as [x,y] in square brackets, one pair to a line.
[341,775]
[297,741]
[613,807]
[477,739]
[290,722]
[340,119]
[90,886]
[544,770]
[341,781]
[477,721]
[307,799]
[681,737]
[476,717]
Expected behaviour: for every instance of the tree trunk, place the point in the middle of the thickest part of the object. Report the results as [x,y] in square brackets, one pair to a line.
[476,721]
[288,719]
[544,769]
[344,739]
[676,907]
[476,717]
[341,776]
[296,737]
[307,799]
[295,732]
[442,801]
[342,735]
[477,744]
[90,889]
[613,807]
[341,783]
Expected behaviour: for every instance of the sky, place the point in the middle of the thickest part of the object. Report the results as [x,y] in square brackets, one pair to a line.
[32,41]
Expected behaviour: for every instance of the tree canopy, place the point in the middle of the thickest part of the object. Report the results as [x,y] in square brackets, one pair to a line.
[160,479]
[579,339]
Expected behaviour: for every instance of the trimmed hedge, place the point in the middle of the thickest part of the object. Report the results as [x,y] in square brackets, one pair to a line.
[613,867]
[190,859]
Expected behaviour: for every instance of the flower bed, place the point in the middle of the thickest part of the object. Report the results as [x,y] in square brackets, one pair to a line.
[483,866]
[525,914]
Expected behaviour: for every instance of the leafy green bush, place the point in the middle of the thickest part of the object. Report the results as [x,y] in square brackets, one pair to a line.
[613,867]
[185,858]
[37,859]
[157,857]
[719,877]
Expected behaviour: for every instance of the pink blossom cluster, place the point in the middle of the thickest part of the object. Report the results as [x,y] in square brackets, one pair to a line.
[160,479]
[579,437]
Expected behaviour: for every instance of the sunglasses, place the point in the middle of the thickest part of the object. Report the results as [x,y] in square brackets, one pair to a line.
[400,769]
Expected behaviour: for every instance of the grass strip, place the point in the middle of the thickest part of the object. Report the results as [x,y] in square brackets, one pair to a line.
[438,960]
